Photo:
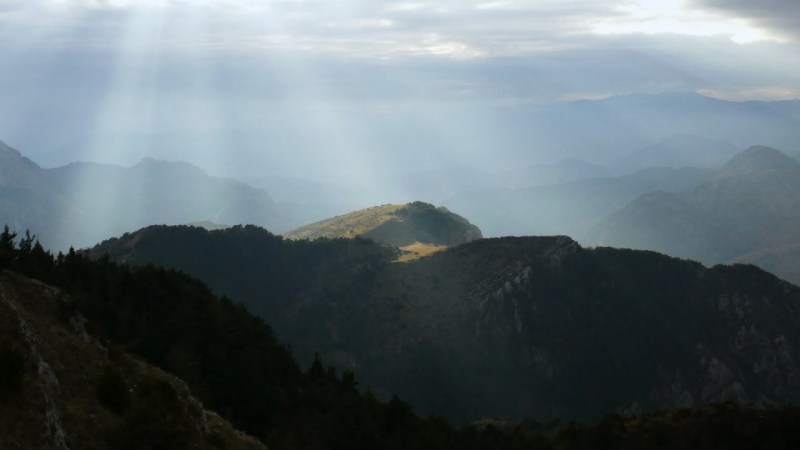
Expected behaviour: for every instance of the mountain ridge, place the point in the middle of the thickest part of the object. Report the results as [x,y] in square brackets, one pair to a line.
[756,159]
[533,326]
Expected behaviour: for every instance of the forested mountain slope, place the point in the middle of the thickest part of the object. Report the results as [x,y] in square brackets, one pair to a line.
[64,387]
[76,356]
[536,327]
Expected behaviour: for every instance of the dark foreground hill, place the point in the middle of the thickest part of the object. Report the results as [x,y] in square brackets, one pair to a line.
[64,388]
[77,357]
[67,382]
[511,327]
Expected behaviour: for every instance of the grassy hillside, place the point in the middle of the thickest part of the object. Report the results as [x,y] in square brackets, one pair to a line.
[418,229]
[348,225]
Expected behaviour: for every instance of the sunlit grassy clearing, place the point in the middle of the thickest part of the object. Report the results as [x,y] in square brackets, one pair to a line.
[348,225]
[418,250]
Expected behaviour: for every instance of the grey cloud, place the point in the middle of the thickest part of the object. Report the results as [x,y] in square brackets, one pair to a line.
[611,65]
[782,16]
[356,28]
[236,59]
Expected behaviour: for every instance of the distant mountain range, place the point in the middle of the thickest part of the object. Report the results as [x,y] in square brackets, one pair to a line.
[679,151]
[571,208]
[487,139]
[29,201]
[402,157]
[311,200]
[512,327]
[83,203]
[749,211]
[741,212]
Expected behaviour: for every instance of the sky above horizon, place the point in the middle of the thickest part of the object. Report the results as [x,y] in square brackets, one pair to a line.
[123,66]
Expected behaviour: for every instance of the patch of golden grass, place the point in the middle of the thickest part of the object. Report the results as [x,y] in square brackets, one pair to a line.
[348,225]
[418,250]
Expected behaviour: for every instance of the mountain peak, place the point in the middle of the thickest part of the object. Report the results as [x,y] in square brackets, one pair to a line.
[397,225]
[759,158]
[17,170]
[10,153]
[6,148]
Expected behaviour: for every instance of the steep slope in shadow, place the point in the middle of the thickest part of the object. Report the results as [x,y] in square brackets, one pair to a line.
[536,327]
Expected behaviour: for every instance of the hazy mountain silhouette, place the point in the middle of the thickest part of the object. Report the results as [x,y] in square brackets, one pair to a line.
[410,161]
[83,203]
[155,191]
[566,208]
[750,211]
[597,131]
[562,171]
[29,201]
[678,151]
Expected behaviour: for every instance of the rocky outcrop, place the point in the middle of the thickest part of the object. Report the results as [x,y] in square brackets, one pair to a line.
[54,366]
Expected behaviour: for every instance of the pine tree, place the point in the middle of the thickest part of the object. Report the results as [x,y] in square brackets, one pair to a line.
[7,247]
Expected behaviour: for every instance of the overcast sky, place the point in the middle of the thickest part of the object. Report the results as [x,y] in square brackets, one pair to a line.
[122,66]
